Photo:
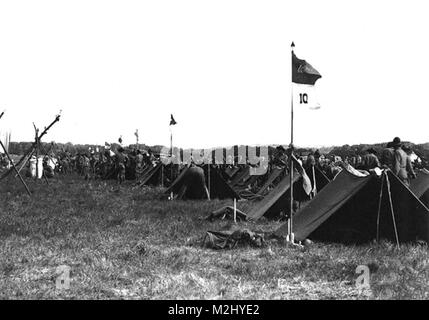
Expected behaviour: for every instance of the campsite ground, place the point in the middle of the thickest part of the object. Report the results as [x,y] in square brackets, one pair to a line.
[124,243]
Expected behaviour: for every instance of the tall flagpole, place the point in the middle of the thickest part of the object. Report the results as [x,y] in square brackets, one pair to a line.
[292,46]
[171,154]
[171,142]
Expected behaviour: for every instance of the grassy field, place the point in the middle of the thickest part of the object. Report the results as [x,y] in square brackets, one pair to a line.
[125,243]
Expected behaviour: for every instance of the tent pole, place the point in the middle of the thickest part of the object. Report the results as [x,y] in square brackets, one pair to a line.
[291,151]
[314,191]
[171,154]
[37,151]
[379,206]
[27,157]
[391,210]
[208,176]
[162,175]
[235,210]
[45,131]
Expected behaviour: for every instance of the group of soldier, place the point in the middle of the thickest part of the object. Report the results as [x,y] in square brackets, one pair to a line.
[121,164]
[395,156]
[108,164]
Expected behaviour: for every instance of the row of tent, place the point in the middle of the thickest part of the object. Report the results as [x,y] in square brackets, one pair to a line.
[348,209]
[353,209]
[230,182]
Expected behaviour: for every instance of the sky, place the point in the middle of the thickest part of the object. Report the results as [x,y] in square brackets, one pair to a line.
[222,68]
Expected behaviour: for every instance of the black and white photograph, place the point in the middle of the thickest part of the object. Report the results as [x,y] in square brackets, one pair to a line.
[213,155]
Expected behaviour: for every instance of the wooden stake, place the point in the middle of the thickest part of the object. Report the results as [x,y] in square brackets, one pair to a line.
[235,210]
[379,206]
[391,210]
[13,165]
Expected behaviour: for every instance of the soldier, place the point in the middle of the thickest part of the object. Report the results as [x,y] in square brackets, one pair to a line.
[64,165]
[120,165]
[387,156]
[401,165]
[93,163]
[370,160]
[139,164]
[86,167]
[411,172]
[311,161]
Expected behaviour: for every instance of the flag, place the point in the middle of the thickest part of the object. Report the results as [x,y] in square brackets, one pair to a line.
[304,77]
[306,182]
[303,72]
[172,121]
[120,140]
[137,133]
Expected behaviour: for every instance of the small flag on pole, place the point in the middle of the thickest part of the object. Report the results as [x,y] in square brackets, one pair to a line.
[172,121]
[304,77]
[120,140]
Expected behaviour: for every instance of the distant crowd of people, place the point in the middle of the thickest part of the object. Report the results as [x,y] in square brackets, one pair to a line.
[121,164]
[395,156]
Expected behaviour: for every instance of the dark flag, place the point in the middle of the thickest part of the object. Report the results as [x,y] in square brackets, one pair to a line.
[172,121]
[120,140]
[303,72]
[304,77]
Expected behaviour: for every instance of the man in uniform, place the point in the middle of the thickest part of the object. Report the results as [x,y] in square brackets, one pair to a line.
[120,165]
[403,169]
[86,167]
[401,164]
[370,160]
[410,168]
[139,164]
[387,156]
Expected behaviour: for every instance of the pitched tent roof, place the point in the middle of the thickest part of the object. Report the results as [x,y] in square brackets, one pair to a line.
[421,184]
[146,169]
[242,175]
[321,179]
[177,183]
[274,174]
[230,171]
[276,201]
[152,176]
[321,182]
[190,184]
[219,188]
[346,211]
[244,184]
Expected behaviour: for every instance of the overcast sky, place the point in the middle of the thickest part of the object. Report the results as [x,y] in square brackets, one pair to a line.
[221,67]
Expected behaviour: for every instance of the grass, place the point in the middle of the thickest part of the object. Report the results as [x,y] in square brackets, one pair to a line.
[125,243]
